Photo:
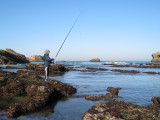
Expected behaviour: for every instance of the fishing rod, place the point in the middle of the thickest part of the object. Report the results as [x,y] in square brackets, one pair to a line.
[67,36]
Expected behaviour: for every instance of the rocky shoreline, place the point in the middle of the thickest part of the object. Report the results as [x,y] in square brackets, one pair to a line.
[30,85]
[35,93]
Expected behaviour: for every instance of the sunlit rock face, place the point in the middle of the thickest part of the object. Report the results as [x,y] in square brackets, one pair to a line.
[95,60]
[156,57]
[35,58]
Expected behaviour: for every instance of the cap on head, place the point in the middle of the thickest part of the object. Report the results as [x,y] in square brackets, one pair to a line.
[46,51]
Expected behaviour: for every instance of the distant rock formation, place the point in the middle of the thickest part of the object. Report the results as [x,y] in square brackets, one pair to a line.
[35,58]
[9,56]
[156,57]
[95,60]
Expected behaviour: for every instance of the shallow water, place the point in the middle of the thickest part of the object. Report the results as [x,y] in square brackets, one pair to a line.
[137,88]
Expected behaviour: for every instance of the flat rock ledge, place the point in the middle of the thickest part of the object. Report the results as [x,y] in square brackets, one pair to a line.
[39,68]
[120,110]
[113,94]
[149,65]
[125,71]
[37,92]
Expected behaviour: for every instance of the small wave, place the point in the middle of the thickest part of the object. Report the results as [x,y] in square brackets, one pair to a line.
[116,63]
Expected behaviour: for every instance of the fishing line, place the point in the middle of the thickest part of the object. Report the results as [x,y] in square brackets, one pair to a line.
[67,35]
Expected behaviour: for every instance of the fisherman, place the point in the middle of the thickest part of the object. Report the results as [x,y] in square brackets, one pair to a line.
[47,61]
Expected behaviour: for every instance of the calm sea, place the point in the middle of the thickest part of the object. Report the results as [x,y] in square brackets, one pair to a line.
[137,88]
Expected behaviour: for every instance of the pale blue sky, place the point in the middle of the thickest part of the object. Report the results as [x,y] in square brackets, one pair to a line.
[108,29]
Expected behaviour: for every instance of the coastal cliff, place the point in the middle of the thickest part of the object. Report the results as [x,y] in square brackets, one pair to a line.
[9,56]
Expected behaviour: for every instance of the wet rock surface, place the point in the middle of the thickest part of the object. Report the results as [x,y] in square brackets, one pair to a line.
[125,71]
[8,56]
[37,92]
[113,90]
[152,72]
[97,69]
[120,110]
[113,94]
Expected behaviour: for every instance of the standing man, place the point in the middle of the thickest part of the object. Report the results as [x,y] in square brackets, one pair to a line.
[47,61]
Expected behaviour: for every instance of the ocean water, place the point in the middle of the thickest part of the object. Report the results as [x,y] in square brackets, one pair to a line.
[137,88]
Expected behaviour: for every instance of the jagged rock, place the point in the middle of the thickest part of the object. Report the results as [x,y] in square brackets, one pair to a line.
[95,60]
[114,91]
[35,58]
[156,100]
[8,56]
[156,57]
[120,110]
[37,91]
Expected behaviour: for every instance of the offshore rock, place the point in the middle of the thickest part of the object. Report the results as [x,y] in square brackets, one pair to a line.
[120,110]
[152,72]
[8,56]
[97,69]
[95,60]
[139,66]
[113,94]
[114,91]
[108,96]
[35,58]
[88,69]
[156,57]
[125,71]
[29,84]
[156,100]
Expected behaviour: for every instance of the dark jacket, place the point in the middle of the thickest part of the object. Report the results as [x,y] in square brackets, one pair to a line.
[47,60]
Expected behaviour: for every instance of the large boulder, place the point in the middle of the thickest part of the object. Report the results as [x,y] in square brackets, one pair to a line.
[35,58]
[95,60]
[156,57]
[8,56]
